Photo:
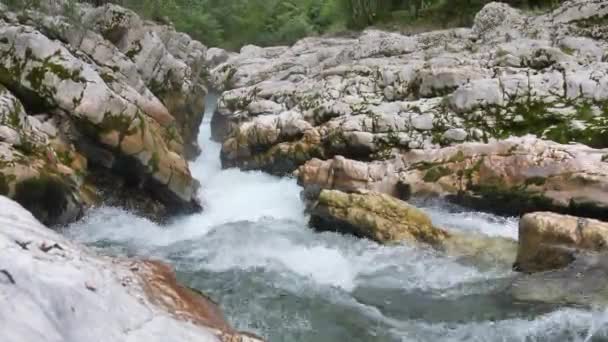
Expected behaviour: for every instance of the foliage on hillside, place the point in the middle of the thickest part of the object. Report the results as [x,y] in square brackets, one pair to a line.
[233,23]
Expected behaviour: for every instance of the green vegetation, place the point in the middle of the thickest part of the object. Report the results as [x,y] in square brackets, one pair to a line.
[436,173]
[233,23]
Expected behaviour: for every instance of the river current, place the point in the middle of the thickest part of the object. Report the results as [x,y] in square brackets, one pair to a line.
[251,251]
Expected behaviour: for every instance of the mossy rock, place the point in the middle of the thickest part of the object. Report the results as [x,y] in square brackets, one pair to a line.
[436,173]
[375,216]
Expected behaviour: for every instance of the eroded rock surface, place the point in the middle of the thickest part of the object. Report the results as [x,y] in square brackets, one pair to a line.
[38,167]
[55,290]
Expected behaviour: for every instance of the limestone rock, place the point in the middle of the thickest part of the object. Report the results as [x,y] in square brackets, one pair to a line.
[523,174]
[348,175]
[479,249]
[37,167]
[551,241]
[496,19]
[55,290]
[216,56]
[101,102]
[375,216]
[388,220]
[171,64]
[378,94]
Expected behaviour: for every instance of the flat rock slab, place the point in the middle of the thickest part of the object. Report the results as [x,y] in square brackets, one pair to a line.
[54,290]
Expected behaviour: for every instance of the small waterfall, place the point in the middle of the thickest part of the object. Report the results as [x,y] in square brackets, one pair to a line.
[251,251]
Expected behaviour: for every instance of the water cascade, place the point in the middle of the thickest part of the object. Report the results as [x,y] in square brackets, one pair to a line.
[252,251]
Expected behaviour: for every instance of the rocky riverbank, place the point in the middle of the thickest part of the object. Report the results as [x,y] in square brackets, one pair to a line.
[55,290]
[508,116]
[371,97]
[101,106]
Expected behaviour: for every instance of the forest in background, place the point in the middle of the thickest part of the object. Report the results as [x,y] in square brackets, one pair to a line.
[231,24]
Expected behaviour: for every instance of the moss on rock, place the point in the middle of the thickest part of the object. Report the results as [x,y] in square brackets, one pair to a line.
[435,173]
[376,216]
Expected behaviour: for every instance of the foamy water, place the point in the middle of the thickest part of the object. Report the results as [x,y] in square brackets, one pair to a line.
[251,251]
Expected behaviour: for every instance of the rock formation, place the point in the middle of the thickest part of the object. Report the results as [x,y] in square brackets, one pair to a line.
[373,215]
[55,290]
[388,220]
[371,97]
[99,102]
[550,241]
[522,174]
[509,116]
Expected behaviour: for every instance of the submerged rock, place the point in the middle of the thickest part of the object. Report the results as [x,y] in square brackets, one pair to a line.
[550,241]
[584,282]
[481,250]
[55,290]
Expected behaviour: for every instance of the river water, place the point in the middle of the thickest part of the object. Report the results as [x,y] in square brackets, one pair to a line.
[252,252]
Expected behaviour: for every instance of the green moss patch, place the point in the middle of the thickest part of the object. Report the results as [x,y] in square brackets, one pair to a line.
[436,173]
[540,119]
[119,123]
[154,163]
[134,50]
[538,181]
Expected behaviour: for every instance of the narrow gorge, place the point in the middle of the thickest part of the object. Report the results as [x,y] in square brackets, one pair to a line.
[442,186]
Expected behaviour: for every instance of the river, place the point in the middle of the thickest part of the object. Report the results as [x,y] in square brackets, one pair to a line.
[252,251]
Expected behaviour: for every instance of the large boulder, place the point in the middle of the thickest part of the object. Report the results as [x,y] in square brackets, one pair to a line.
[55,290]
[388,220]
[498,20]
[351,175]
[379,94]
[375,216]
[551,241]
[37,166]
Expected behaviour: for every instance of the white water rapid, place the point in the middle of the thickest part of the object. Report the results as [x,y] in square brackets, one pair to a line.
[252,252]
